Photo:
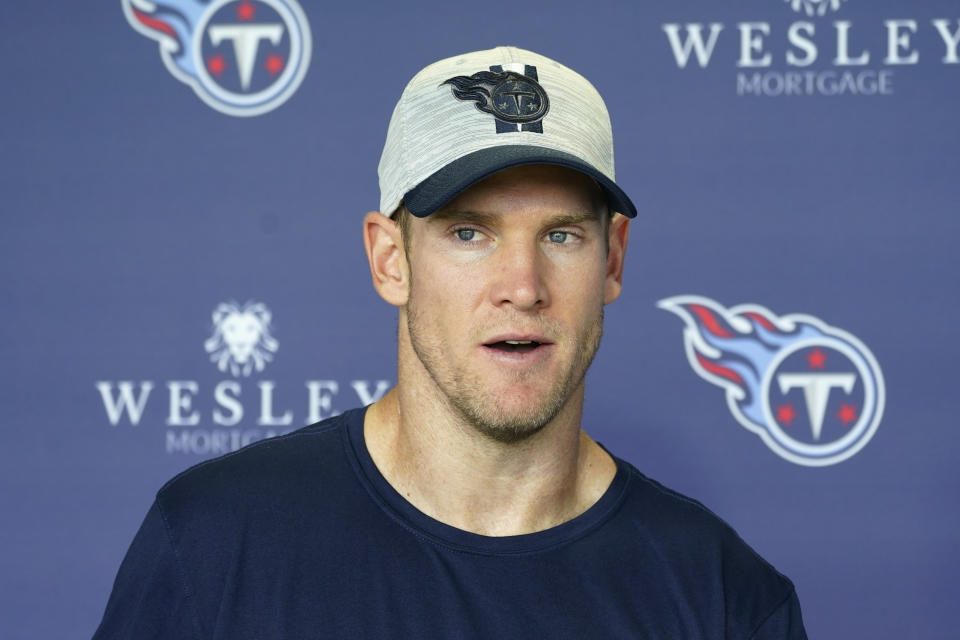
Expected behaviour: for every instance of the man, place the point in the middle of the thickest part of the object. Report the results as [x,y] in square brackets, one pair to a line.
[467,502]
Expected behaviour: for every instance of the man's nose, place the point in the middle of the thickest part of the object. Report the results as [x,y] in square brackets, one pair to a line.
[520,277]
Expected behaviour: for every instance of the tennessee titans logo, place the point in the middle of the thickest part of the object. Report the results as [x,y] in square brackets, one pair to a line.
[812,392]
[242,57]
[511,97]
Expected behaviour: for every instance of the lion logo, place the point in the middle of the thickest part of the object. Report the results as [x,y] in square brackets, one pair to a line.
[241,340]
[815,7]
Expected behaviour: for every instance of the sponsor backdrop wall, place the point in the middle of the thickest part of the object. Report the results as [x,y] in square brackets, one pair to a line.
[182,271]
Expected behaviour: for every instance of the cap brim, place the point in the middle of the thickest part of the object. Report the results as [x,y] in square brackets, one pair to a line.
[444,185]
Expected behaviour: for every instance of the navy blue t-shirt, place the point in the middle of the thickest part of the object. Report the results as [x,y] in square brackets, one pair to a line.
[301,537]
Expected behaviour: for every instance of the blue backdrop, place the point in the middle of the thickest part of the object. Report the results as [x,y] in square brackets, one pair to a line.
[795,156]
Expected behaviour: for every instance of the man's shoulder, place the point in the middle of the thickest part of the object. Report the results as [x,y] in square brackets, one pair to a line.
[267,471]
[663,509]
[697,552]
[686,533]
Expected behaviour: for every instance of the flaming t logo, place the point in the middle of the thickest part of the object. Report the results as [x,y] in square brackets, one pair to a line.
[242,57]
[782,372]
[513,97]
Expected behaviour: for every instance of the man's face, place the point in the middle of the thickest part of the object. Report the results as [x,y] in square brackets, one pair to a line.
[507,288]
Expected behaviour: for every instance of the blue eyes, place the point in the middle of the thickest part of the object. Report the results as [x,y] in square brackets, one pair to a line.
[471,235]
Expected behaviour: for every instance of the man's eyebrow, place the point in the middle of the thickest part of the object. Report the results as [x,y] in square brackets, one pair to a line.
[567,219]
[476,217]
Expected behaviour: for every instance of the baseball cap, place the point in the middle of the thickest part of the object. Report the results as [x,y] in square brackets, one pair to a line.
[464,118]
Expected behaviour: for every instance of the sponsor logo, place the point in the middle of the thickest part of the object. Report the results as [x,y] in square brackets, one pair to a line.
[814,7]
[241,57]
[206,417]
[813,393]
[814,56]
[241,340]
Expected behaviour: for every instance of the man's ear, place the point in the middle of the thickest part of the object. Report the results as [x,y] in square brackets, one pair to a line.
[619,233]
[383,241]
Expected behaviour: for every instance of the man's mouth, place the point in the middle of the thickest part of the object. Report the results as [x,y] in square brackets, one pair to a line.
[514,346]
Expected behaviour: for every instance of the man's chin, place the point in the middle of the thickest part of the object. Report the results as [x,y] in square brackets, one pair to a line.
[511,419]
[509,432]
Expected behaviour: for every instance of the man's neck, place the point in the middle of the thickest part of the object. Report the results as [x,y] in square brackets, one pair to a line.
[461,477]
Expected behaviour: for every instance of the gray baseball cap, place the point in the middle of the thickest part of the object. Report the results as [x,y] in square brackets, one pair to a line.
[464,118]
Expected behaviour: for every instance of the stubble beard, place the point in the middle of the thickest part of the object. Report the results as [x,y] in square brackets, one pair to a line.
[479,407]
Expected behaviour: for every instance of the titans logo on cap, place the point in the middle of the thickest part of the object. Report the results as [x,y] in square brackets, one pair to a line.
[813,393]
[241,57]
[516,100]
